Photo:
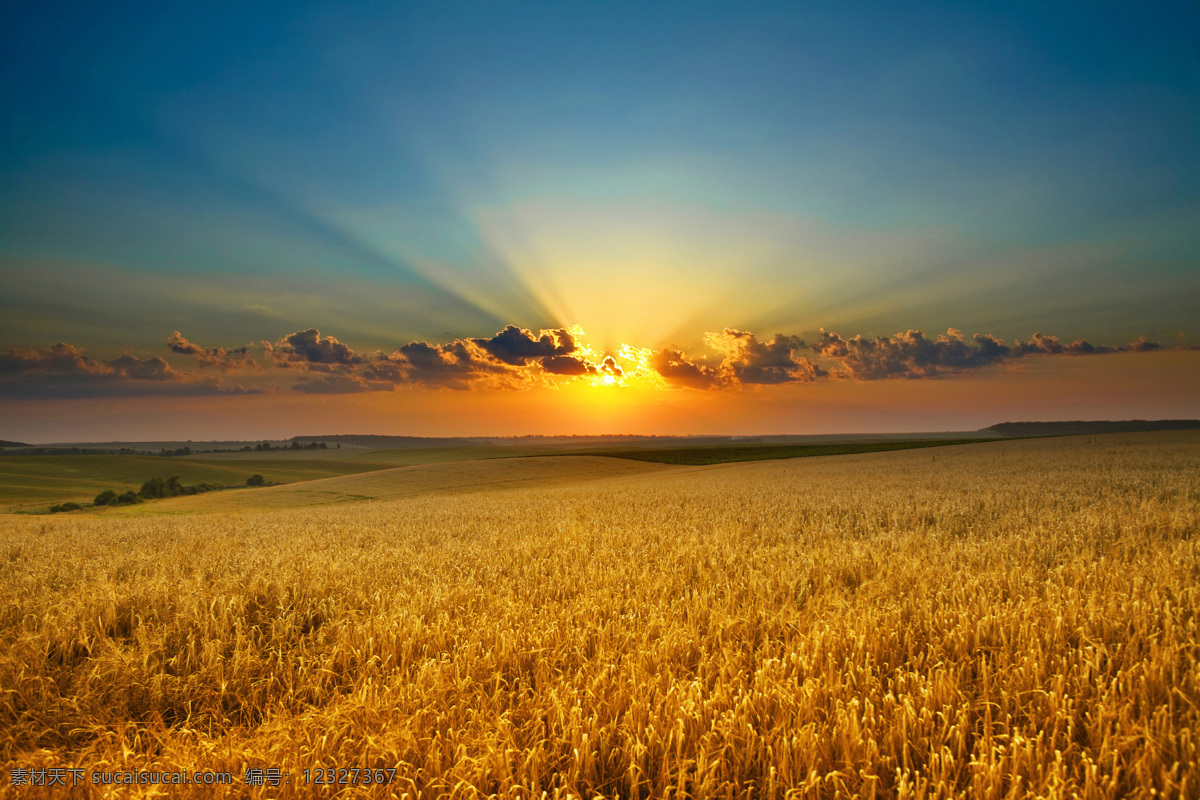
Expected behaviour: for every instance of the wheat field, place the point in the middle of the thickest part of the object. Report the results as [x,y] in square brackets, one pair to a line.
[1009,620]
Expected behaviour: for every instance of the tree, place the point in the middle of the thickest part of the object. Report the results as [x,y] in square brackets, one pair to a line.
[106,498]
[256,480]
[161,487]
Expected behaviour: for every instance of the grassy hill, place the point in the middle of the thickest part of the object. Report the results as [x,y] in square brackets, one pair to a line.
[1023,429]
[452,478]
[696,456]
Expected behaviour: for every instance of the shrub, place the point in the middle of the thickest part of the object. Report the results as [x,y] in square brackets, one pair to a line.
[256,480]
[106,498]
[161,487]
[128,499]
[65,507]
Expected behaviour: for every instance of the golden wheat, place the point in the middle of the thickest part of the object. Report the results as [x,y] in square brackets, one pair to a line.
[988,621]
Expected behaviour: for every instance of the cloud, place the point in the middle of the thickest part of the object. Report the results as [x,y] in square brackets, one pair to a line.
[677,369]
[67,359]
[749,360]
[516,346]
[609,366]
[217,357]
[568,365]
[1141,345]
[1081,347]
[913,355]
[309,349]
[149,369]
[517,358]
[910,354]
[59,358]
[456,365]
[746,360]
[66,371]
[506,360]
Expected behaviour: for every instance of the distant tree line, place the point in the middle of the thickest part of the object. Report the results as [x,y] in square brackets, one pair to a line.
[154,489]
[265,446]
[109,497]
[1077,428]
[77,451]
[179,451]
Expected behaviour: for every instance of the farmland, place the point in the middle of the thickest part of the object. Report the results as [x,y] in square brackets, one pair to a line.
[992,620]
[700,456]
[32,481]
[442,478]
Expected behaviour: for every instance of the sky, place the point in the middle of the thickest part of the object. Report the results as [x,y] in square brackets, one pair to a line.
[263,220]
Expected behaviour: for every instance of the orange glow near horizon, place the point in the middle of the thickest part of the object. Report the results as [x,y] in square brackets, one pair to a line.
[1161,385]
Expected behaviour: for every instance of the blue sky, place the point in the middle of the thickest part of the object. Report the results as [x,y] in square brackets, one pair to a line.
[431,171]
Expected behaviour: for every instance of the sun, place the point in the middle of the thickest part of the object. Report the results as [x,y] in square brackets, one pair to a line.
[626,367]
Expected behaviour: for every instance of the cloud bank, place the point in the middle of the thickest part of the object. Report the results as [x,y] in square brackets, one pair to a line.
[311,363]
[66,371]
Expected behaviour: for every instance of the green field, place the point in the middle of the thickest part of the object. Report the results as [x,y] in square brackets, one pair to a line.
[438,455]
[448,478]
[31,483]
[700,456]
[38,480]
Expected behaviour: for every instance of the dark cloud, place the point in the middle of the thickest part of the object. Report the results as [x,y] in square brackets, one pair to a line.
[313,351]
[67,359]
[568,365]
[149,369]
[66,371]
[751,360]
[1141,345]
[456,365]
[516,358]
[676,368]
[746,360]
[910,354]
[503,361]
[990,348]
[609,366]
[516,346]
[450,365]
[1051,345]
[59,358]
[216,357]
